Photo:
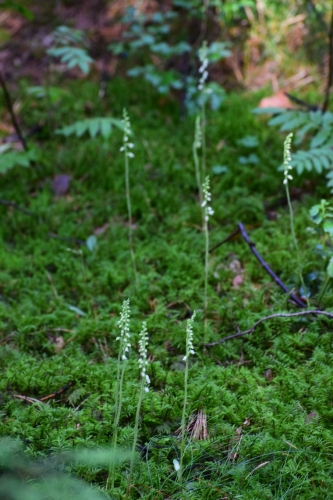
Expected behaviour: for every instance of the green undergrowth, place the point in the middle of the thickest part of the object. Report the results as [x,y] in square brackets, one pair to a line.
[267,396]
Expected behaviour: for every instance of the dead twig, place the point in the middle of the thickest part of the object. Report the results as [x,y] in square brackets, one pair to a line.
[17,207]
[12,114]
[241,229]
[267,268]
[271,316]
[230,237]
[330,65]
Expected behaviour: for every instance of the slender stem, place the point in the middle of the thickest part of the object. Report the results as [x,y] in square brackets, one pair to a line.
[323,290]
[129,209]
[136,433]
[197,172]
[118,405]
[182,446]
[299,266]
[206,275]
[203,128]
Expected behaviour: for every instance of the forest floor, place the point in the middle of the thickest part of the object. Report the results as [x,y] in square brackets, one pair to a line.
[265,398]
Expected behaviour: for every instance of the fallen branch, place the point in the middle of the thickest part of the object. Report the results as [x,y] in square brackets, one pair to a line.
[230,237]
[10,108]
[267,268]
[241,229]
[17,207]
[277,315]
[330,65]
[24,211]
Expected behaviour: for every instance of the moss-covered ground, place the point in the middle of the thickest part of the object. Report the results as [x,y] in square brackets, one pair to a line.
[267,396]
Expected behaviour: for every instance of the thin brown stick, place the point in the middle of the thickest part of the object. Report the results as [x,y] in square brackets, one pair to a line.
[277,315]
[24,211]
[267,268]
[330,65]
[230,237]
[27,399]
[17,207]
[12,114]
[296,300]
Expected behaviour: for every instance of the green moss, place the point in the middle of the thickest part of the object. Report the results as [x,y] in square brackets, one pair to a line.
[267,396]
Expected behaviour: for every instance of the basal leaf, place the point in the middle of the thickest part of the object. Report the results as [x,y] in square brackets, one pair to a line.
[329,268]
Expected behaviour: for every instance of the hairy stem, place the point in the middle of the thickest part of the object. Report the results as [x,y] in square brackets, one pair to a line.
[129,210]
[136,433]
[118,405]
[299,266]
[183,437]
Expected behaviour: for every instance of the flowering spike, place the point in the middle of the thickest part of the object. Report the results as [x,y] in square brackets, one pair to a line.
[287,159]
[189,337]
[198,133]
[127,132]
[204,65]
[123,324]
[207,199]
[143,360]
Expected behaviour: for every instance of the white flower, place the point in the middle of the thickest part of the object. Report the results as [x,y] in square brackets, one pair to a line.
[127,132]
[204,65]
[176,464]
[123,324]
[287,159]
[189,337]
[143,359]
[198,133]
[208,211]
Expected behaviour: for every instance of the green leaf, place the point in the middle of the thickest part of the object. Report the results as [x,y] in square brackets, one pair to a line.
[251,159]
[249,141]
[327,119]
[304,130]
[265,111]
[54,94]
[291,124]
[95,126]
[162,48]
[217,51]
[18,7]
[329,268]
[91,242]
[106,128]
[328,227]
[320,138]
[316,214]
[145,39]
[282,118]
[11,159]
[318,166]
[76,310]
[219,169]
[72,56]
[136,71]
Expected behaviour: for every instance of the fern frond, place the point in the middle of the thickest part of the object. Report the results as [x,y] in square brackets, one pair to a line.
[11,159]
[72,56]
[318,159]
[94,126]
